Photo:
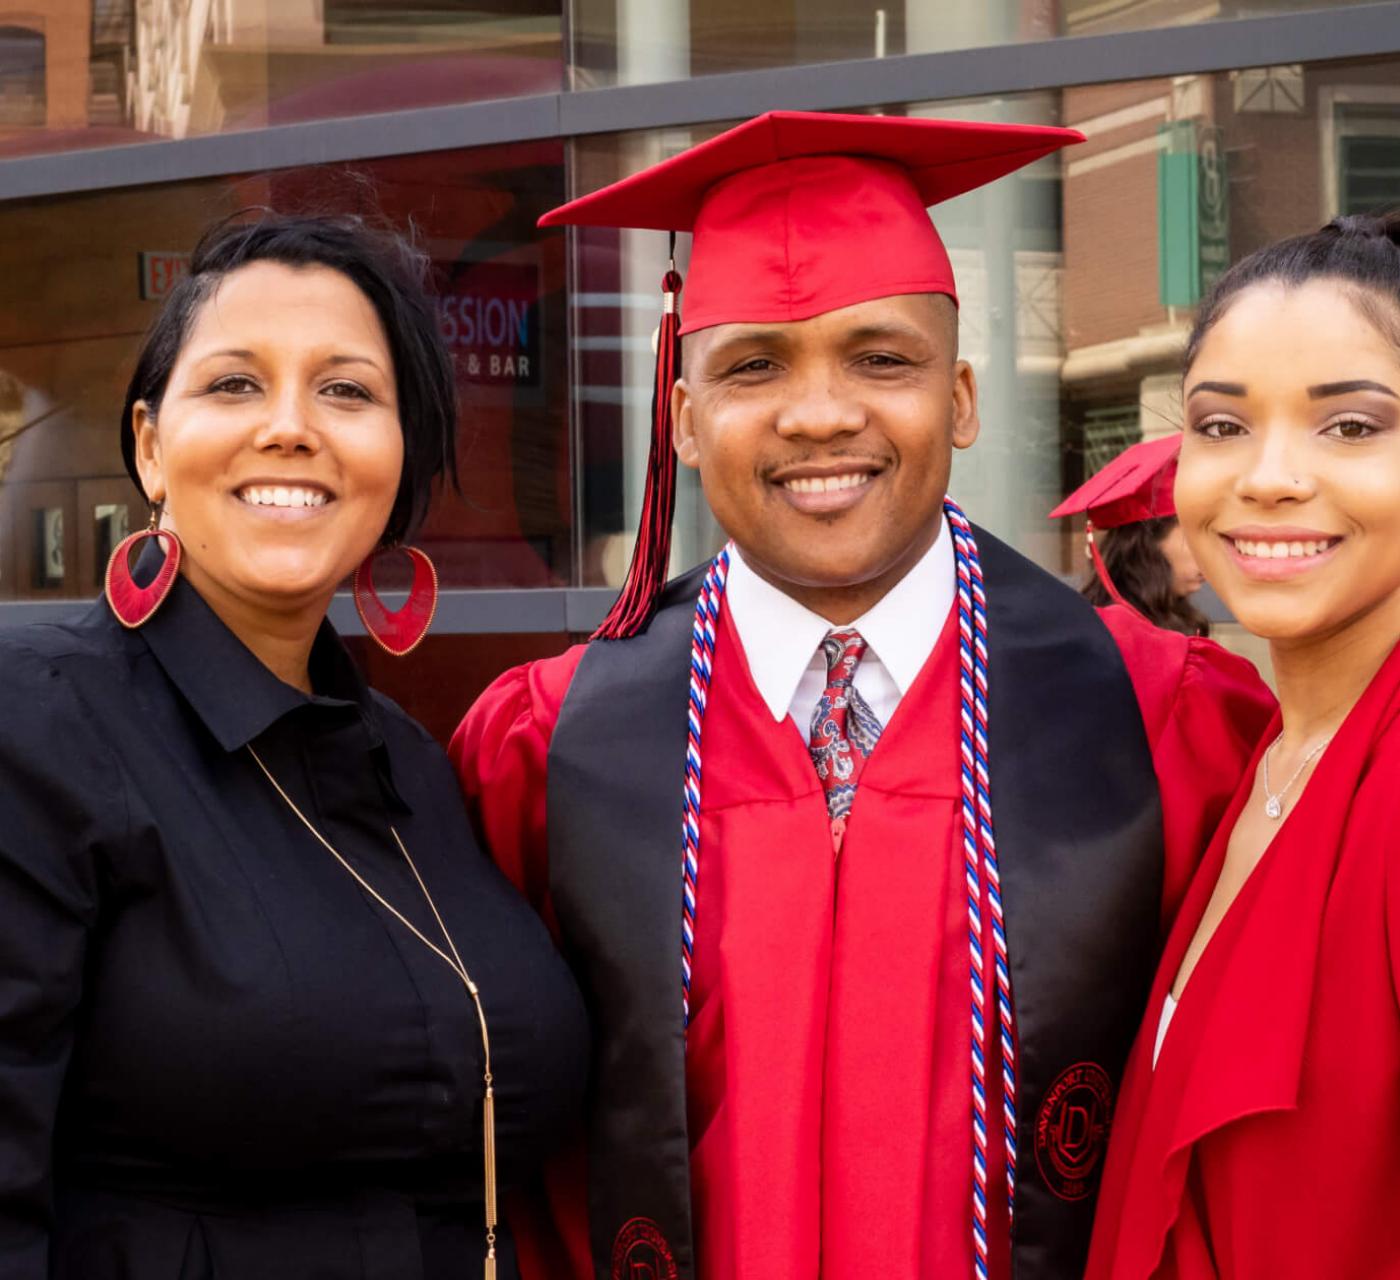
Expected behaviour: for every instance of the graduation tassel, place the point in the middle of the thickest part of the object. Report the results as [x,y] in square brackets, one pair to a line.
[651,557]
[1102,569]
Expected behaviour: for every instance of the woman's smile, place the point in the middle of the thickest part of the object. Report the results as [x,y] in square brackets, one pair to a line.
[1277,555]
[283,496]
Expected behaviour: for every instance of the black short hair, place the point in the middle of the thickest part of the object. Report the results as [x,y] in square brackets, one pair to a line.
[1360,251]
[389,271]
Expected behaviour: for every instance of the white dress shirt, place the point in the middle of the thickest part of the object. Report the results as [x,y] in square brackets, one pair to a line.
[782,639]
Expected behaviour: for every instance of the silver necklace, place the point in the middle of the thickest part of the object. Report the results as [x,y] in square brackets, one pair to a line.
[1273,800]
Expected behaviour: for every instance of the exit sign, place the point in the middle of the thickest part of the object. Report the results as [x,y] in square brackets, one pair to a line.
[161,272]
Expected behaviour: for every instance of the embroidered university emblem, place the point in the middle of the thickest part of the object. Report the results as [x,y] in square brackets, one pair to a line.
[640,1252]
[1071,1129]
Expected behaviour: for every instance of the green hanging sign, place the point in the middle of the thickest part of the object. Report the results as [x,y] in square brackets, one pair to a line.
[1193,211]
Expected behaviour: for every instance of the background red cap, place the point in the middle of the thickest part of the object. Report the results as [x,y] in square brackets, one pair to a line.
[1136,485]
[796,213]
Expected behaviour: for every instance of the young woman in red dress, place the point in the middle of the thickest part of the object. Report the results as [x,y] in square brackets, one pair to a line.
[1256,1132]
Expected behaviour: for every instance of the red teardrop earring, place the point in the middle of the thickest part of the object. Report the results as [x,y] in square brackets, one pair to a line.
[134,605]
[398,631]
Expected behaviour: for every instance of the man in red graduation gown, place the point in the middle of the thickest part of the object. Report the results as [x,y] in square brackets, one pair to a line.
[861,839]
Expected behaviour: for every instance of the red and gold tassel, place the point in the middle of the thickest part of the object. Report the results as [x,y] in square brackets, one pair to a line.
[651,557]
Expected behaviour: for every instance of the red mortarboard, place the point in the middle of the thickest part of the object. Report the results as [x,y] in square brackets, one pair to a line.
[794,214]
[1136,485]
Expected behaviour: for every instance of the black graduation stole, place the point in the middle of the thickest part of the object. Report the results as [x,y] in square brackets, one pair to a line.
[1079,835]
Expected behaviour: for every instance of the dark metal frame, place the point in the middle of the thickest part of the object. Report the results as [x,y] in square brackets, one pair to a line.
[1319,35]
[552,609]
[538,609]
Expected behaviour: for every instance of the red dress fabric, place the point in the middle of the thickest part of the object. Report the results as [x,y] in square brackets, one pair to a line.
[1264,1146]
[827,1066]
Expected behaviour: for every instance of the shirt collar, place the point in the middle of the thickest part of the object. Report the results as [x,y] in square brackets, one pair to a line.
[781,636]
[230,689]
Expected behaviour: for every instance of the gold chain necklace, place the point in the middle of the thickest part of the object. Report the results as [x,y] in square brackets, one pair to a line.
[453,962]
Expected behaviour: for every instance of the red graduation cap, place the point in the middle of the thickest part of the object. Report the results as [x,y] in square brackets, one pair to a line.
[794,214]
[1136,485]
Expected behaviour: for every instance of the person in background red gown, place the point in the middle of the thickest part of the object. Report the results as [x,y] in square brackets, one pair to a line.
[1142,560]
[1257,1133]
[783,1080]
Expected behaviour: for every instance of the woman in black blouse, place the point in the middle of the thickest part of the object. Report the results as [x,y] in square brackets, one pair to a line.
[235,1038]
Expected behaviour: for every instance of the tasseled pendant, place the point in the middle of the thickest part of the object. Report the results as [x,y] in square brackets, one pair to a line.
[488,1126]
[651,557]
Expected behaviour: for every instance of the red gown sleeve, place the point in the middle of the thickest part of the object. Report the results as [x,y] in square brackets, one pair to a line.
[1204,709]
[501,752]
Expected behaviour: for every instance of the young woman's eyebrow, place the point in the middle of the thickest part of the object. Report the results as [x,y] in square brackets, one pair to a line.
[231,353]
[1222,388]
[1323,390]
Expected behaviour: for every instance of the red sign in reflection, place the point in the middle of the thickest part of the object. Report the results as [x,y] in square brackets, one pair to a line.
[489,312]
[161,272]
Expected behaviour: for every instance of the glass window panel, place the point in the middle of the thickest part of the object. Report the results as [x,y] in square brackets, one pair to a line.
[122,72]
[1368,155]
[644,41]
[22,95]
[616,308]
[42,523]
[1078,279]
[46,546]
[111,523]
[78,289]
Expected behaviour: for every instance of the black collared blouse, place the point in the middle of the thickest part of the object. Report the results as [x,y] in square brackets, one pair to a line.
[219,1058]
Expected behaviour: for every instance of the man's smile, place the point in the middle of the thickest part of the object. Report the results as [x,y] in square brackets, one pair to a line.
[827,484]
[826,488]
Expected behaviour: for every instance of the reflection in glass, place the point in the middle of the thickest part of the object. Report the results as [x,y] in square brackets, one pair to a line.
[22,96]
[125,72]
[646,41]
[1006,245]
[47,569]
[616,313]
[1078,279]
[81,279]
[1368,155]
[1078,276]
[111,523]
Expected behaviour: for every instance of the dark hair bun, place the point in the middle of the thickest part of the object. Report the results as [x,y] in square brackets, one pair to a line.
[1355,250]
[1381,226]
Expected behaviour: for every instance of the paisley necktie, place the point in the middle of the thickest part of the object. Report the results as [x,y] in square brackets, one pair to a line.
[844,729]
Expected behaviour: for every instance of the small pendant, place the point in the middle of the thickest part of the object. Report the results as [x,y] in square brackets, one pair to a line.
[1273,806]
